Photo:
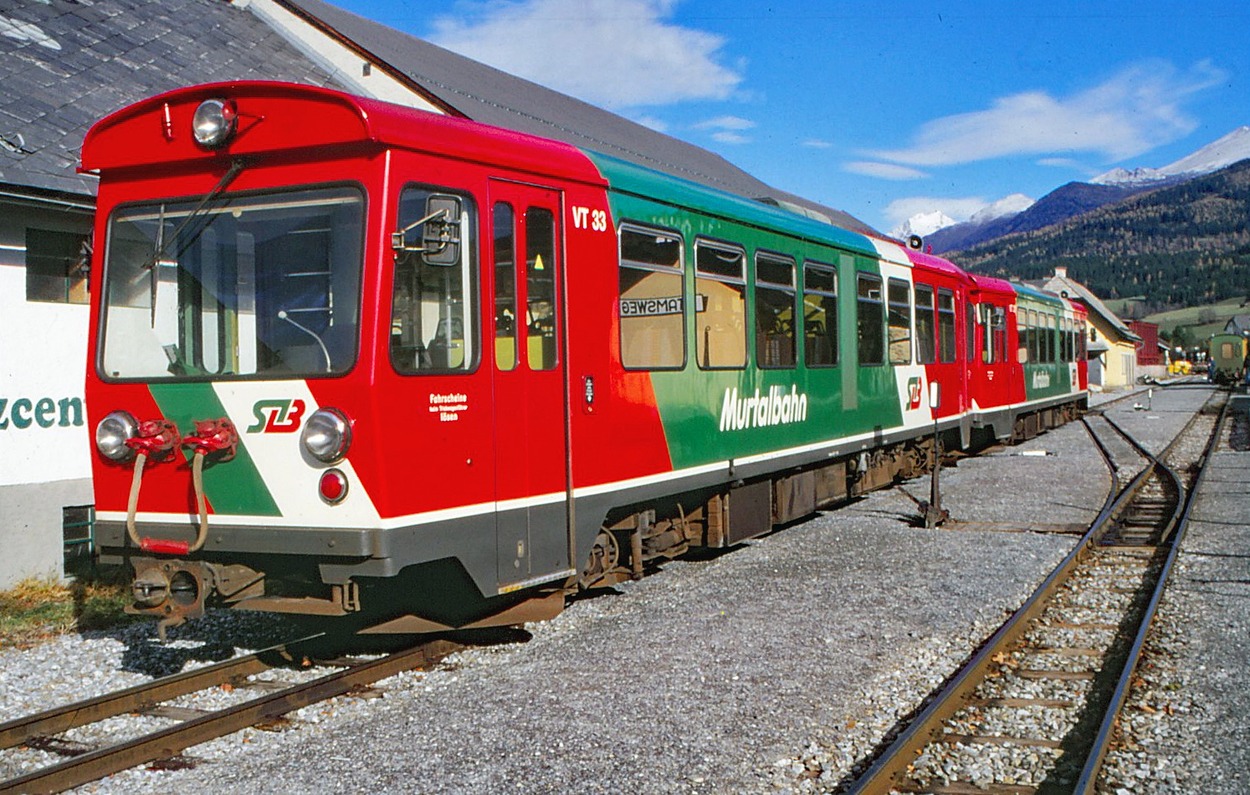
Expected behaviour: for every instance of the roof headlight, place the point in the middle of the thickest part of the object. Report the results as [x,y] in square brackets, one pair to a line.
[113,432]
[214,122]
[327,435]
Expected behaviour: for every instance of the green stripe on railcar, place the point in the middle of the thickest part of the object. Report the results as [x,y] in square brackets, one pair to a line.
[714,414]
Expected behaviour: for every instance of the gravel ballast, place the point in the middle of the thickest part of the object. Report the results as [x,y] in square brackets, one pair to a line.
[778,666]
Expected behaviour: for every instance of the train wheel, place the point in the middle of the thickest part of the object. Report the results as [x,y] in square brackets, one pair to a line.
[603,567]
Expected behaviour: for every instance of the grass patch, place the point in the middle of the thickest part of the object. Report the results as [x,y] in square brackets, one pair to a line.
[36,610]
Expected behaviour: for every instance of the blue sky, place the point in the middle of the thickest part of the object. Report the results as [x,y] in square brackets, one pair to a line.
[882,109]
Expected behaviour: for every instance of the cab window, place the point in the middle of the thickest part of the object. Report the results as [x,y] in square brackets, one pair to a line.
[433,312]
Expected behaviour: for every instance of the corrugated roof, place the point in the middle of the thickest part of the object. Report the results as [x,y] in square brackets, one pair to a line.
[1063,285]
[64,65]
[491,96]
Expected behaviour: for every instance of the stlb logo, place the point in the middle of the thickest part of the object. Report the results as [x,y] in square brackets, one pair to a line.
[915,392]
[276,416]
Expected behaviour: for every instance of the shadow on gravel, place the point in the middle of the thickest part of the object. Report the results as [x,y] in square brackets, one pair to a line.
[215,637]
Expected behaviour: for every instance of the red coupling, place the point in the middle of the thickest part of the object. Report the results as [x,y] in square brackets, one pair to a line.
[213,436]
[164,547]
[155,438]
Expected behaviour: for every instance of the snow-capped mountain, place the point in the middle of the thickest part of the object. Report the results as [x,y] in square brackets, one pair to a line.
[922,224]
[1228,150]
[925,224]
[1008,205]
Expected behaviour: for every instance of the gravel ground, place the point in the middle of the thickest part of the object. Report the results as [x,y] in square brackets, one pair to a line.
[778,666]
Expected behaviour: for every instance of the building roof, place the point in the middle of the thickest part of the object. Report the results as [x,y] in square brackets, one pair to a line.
[64,65]
[1237,324]
[492,96]
[1063,285]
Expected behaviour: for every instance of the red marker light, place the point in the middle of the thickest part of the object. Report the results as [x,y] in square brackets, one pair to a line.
[333,486]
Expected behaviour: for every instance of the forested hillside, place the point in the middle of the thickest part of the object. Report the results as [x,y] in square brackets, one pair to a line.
[1178,246]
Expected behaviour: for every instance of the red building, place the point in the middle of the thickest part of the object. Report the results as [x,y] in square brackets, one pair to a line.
[1148,350]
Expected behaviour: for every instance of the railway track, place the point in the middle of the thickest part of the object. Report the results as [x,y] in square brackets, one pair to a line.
[1045,690]
[47,730]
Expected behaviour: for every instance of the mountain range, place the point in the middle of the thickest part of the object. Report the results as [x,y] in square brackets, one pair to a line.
[1179,245]
[1018,214]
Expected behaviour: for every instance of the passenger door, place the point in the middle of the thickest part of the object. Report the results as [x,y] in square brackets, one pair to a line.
[530,401]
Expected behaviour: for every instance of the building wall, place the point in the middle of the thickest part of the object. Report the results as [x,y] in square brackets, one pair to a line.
[45,464]
[1116,367]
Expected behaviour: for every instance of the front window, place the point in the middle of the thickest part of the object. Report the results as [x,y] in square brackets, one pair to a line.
[245,285]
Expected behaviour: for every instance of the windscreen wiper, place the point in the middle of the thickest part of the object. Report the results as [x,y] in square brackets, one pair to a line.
[162,242]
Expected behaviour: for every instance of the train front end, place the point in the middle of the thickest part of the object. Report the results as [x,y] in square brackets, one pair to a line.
[226,378]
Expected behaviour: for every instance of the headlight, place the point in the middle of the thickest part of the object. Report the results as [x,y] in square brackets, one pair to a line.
[111,435]
[327,435]
[214,122]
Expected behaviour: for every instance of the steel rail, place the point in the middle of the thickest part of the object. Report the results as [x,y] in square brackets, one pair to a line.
[171,741]
[133,699]
[889,770]
[1089,773]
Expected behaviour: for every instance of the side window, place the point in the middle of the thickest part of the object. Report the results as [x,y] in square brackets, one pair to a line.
[651,303]
[774,311]
[1034,347]
[970,329]
[820,314]
[946,326]
[985,315]
[433,309]
[1000,334]
[505,287]
[720,306]
[899,295]
[1082,340]
[1022,334]
[870,319]
[56,266]
[540,288]
[1051,338]
[926,325]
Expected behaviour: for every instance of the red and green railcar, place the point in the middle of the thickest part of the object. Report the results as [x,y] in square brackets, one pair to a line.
[358,360]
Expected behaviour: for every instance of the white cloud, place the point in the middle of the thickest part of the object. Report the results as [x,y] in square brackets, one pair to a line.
[613,53]
[657,124]
[725,123]
[884,170]
[817,143]
[728,129]
[1128,114]
[959,209]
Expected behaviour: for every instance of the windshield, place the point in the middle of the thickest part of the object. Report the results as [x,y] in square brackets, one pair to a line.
[249,285]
